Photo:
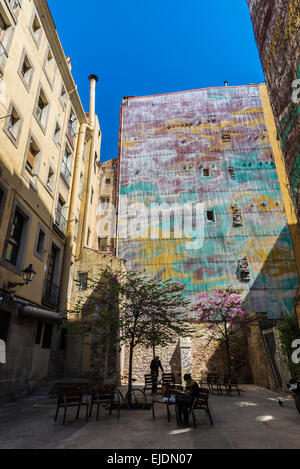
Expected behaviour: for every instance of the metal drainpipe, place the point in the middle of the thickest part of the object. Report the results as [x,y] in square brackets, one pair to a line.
[74,192]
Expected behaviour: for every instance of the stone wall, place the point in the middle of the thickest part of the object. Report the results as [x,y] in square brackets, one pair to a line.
[201,356]
[258,359]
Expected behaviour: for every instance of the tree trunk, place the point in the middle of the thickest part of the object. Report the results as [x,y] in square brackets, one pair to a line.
[130,371]
[153,349]
[227,351]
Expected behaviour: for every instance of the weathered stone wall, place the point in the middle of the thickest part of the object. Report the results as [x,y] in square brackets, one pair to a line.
[206,355]
[258,359]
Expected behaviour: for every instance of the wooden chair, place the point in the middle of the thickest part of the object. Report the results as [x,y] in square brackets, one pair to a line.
[168,378]
[148,382]
[230,384]
[104,396]
[167,391]
[212,380]
[71,397]
[201,403]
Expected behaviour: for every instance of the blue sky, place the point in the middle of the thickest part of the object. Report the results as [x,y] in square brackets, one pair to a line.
[139,48]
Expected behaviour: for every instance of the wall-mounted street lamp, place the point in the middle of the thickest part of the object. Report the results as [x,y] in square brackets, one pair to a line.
[28,276]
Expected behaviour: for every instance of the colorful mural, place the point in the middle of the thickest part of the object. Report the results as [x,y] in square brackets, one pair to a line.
[206,154]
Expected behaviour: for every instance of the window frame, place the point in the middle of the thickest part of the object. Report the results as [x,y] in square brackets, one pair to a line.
[37,40]
[42,125]
[27,84]
[40,229]
[17,206]
[15,140]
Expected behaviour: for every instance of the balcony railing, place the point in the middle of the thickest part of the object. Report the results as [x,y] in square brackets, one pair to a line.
[65,172]
[51,293]
[60,221]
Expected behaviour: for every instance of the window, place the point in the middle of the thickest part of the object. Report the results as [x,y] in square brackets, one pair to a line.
[15,238]
[66,165]
[36,30]
[80,186]
[226,136]
[60,218]
[15,6]
[50,179]
[84,151]
[4,324]
[102,244]
[96,159]
[107,181]
[5,34]
[40,243]
[47,336]
[92,196]
[14,125]
[104,203]
[82,281]
[26,71]
[3,193]
[57,134]
[72,126]
[210,216]
[63,96]
[51,288]
[50,67]
[32,155]
[206,172]
[42,109]
[39,331]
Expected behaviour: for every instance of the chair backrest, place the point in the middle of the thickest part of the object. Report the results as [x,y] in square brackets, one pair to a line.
[148,379]
[168,378]
[70,394]
[103,390]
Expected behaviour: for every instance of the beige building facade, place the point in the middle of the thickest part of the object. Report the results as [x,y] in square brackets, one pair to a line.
[49,153]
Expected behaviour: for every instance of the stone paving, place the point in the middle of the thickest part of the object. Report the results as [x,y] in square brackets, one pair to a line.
[252,420]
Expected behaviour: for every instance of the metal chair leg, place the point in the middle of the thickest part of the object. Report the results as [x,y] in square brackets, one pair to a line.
[65,413]
[98,409]
[91,408]
[78,410]
[56,414]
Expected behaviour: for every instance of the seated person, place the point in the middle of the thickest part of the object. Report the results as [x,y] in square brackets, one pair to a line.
[184,400]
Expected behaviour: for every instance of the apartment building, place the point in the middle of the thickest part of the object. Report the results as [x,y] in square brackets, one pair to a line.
[47,142]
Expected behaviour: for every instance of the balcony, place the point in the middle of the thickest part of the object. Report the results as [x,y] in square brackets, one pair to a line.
[65,173]
[50,294]
[60,224]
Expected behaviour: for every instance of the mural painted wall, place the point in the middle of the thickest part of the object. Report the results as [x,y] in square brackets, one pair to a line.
[207,154]
[276,26]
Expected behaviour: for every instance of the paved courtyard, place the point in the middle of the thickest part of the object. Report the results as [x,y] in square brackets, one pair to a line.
[252,420]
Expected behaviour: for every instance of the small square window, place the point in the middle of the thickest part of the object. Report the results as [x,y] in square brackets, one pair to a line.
[32,155]
[47,336]
[206,172]
[57,134]
[36,30]
[82,281]
[14,124]
[41,242]
[26,71]
[39,331]
[210,216]
[50,66]
[50,178]
[102,244]
[63,96]
[42,109]
[107,181]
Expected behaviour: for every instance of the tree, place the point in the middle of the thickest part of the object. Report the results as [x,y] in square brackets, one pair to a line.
[131,308]
[221,312]
[289,331]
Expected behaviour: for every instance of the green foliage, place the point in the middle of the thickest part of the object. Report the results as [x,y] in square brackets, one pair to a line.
[289,331]
[129,307]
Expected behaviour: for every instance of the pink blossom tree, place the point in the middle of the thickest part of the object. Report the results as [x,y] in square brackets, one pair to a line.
[221,312]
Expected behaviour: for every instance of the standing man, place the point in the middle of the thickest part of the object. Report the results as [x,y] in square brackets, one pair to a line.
[154,367]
